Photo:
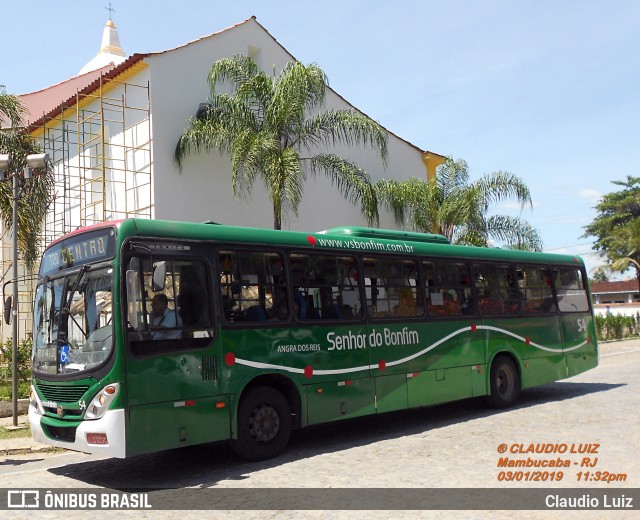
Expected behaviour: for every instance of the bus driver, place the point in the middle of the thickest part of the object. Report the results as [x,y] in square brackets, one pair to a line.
[162,316]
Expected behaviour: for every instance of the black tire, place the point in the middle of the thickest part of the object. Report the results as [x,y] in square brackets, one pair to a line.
[264,424]
[505,383]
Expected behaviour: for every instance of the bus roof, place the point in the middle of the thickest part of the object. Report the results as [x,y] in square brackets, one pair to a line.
[341,239]
[387,234]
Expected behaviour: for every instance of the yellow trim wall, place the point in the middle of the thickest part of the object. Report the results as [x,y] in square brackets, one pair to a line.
[432,161]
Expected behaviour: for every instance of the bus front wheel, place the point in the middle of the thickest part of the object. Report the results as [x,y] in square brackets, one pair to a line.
[505,383]
[264,424]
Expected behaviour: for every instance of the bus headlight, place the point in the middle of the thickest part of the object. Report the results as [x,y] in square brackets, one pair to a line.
[100,403]
[34,401]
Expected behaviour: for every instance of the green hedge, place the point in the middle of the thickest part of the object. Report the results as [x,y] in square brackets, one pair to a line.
[24,361]
[6,369]
[615,326]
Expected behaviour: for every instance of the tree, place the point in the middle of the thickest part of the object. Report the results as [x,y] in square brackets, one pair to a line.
[273,127]
[599,275]
[626,248]
[451,205]
[11,110]
[36,195]
[617,227]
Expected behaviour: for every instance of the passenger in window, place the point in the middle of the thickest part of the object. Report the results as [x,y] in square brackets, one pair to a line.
[300,304]
[255,313]
[279,311]
[163,317]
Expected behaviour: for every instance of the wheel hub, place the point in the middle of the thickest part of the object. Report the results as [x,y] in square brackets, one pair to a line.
[264,423]
[503,382]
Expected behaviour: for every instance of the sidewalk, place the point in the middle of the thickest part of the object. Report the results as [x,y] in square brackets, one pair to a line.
[20,445]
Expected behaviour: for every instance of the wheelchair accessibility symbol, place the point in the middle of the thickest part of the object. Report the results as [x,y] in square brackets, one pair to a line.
[64,354]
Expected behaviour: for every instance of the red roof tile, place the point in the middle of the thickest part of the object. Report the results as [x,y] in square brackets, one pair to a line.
[43,101]
[615,287]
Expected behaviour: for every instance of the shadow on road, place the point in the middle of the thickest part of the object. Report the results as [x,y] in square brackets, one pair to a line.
[206,465]
[18,462]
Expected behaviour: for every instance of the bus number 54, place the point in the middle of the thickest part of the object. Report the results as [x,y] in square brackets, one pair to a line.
[582,324]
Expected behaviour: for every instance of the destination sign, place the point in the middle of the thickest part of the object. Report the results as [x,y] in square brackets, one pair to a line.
[77,250]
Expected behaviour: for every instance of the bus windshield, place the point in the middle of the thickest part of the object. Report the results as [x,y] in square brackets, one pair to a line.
[73,326]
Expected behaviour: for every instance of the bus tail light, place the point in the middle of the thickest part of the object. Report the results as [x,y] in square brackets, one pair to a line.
[100,403]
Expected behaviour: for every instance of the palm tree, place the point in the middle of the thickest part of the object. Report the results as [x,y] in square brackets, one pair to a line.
[452,206]
[36,195]
[624,252]
[11,110]
[273,128]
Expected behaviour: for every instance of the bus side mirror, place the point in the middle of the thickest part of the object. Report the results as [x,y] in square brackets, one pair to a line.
[8,305]
[159,275]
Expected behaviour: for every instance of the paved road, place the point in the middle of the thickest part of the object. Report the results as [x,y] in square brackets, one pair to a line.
[454,445]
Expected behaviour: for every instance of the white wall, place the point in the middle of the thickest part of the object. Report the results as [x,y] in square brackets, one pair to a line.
[203,190]
[620,310]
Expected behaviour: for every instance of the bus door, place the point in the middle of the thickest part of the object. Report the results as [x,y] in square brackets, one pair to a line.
[452,360]
[412,366]
[173,381]
[519,316]
[330,342]
[542,354]
[576,320]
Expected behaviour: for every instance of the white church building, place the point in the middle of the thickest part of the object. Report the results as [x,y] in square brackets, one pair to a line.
[112,130]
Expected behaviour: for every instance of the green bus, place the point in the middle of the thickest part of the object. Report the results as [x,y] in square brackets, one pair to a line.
[151,335]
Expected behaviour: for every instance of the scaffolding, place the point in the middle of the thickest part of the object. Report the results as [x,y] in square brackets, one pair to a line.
[99,145]
[100,148]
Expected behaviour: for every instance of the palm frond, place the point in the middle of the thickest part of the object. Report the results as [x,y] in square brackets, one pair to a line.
[499,186]
[297,89]
[343,126]
[11,109]
[514,231]
[36,196]
[215,127]
[252,155]
[351,180]
[236,70]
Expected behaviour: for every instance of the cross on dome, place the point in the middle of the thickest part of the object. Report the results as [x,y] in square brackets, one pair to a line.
[111,10]
[110,50]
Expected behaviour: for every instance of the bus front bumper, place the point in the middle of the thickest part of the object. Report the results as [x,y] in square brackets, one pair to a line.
[104,436]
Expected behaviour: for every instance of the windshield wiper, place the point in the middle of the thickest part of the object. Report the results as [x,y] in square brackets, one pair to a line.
[67,304]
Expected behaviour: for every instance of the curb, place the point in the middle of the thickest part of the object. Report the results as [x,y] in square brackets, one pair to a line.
[6,407]
[26,450]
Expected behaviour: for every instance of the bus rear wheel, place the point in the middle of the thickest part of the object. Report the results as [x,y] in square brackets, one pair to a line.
[264,424]
[505,383]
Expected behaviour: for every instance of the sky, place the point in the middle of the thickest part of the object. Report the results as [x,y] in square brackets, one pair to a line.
[547,90]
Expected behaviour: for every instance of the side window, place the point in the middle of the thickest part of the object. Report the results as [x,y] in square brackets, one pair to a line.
[252,285]
[571,290]
[391,288]
[447,288]
[496,289]
[535,289]
[192,301]
[325,287]
[174,317]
